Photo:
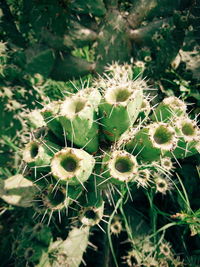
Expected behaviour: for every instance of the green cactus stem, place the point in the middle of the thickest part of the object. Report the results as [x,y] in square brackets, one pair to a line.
[18,191]
[92,196]
[120,167]
[188,138]
[91,216]
[42,233]
[32,242]
[33,253]
[38,153]
[50,114]
[10,27]
[146,9]
[54,197]
[113,43]
[77,117]
[120,102]
[72,166]
[144,34]
[169,108]
[153,141]
[30,251]
[39,60]
[3,57]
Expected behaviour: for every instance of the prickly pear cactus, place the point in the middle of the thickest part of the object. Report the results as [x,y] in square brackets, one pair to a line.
[91,153]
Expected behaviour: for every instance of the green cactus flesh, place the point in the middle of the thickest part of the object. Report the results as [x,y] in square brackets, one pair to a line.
[153,141]
[121,103]
[168,109]
[77,117]
[51,117]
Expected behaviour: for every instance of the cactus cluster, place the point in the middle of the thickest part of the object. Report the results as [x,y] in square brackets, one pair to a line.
[92,150]
[99,163]
[41,40]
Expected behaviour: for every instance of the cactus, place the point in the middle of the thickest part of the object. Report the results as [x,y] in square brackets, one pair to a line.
[3,57]
[49,114]
[122,98]
[77,116]
[81,158]
[143,250]
[91,216]
[38,154]
[31,243]
[21,93]
[168,108]
[124,147]
[189,136]
[120,167]
[45,37]
[153,141]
